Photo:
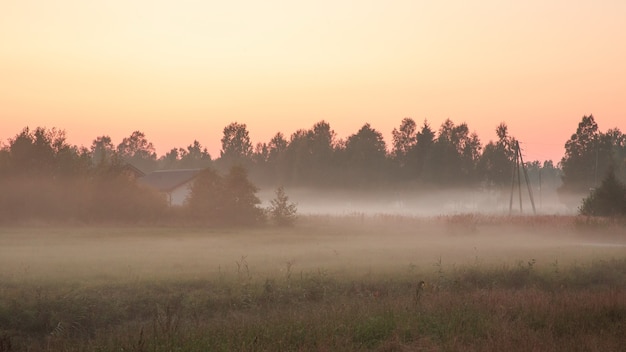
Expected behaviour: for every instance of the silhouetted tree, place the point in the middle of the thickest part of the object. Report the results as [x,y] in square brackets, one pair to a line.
[404,139]
[269,161]
[497,160]
[581,152]
[261,154]
[470,156]
[589,154]
[616,141]
[207,198]
[44,153]
[171,159]
[5,160]
[229,200]
[420,153]
[102,149]
[321,139]
[138,151]
[454,156]
[236,145]
[296,158]
[309,155]
[276,159]
[276,147]
[260,169]
[73,161]
[241,202]
[195,157]
[365,155]
[32,152]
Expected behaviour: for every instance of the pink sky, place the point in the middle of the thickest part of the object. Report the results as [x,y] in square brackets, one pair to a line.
[183,70]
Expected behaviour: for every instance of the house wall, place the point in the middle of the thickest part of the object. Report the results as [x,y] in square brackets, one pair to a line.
[179,194]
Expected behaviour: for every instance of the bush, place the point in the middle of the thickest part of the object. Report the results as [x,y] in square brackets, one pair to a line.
[607,200]
[229,200]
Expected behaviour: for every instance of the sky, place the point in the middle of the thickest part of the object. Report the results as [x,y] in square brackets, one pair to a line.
[182,70]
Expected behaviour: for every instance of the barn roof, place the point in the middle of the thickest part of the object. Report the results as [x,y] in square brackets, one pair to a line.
[133,170]
[168,180]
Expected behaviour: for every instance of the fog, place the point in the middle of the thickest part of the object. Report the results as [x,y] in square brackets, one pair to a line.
[426,203]
[349,245]
[337,230]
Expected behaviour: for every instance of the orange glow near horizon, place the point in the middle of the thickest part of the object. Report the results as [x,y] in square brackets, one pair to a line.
[183,70]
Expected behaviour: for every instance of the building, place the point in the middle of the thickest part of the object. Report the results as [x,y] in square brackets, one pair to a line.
[132,172]
[175,184]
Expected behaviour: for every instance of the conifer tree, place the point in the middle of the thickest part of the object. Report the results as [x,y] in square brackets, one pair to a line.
[281,211]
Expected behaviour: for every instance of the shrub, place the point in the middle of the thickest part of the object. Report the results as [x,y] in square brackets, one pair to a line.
[229,200]
[607,200]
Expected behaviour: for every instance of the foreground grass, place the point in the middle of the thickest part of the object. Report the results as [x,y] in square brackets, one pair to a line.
[518,307]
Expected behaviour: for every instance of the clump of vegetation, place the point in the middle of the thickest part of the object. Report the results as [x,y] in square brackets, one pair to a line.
[281,211]
[229,200]
[44,178]
[607,200]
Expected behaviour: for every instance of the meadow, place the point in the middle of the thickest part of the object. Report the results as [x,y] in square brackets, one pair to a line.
[331,283]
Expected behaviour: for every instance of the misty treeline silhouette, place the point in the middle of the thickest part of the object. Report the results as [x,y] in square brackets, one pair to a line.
[43,176]
[419,157]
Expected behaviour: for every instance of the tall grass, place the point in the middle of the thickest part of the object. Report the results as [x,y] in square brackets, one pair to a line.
[519,307]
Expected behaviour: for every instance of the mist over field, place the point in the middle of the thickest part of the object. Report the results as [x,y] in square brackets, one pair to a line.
[425,202]
[352,245]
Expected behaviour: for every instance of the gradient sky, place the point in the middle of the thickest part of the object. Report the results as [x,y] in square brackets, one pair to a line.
[182,70]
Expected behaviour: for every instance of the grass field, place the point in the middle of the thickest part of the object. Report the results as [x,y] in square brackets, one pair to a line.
[328,284]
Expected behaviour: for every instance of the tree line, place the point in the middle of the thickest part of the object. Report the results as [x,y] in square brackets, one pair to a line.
[43,178]
[43,175]
[419,156]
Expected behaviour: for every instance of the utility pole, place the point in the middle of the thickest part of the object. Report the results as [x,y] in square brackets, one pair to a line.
[513,175]
[519,161]
[540,190]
